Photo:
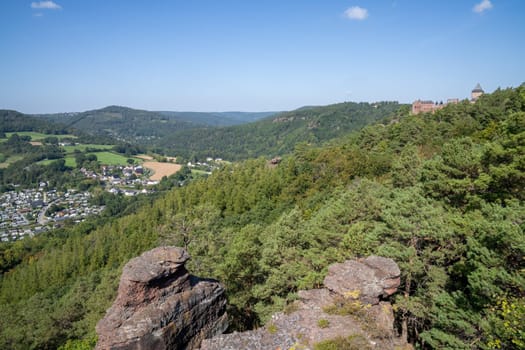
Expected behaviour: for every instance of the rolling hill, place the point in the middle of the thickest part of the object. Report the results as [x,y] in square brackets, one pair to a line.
[278,134]
[229,135]
[144,127]
[218,118]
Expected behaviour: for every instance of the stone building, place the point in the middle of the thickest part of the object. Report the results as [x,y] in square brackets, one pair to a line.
[420,106]
[426,106]
[476,93]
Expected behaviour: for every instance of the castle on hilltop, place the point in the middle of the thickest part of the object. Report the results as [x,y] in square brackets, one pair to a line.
[476,93]
[420,106]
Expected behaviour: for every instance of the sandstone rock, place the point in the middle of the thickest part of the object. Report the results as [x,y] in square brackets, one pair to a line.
[368,280]
[319,314]
[161,306]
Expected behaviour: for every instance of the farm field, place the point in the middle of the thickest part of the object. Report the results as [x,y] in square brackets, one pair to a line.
[105,158]
[109,158]
[10,160]
[144,157]
[83,147]
[37,136]
[199,172]
[161,169]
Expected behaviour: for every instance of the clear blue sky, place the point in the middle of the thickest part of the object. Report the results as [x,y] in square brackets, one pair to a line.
[218,55]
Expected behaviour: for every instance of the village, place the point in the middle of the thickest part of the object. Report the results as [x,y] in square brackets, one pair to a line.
[129,180]
[25,213]
[33,211]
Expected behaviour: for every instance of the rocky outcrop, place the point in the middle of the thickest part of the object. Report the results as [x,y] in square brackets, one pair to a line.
[161,306]
[368,280]
[352,306]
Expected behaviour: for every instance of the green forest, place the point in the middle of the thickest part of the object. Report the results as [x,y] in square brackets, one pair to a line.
[278,134]
[442,194]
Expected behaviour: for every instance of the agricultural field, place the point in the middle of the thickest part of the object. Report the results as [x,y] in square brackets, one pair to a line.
[199,172]
[82,147]
[109,158]
[70,161]
[161,169]
[37,136]
[9,160]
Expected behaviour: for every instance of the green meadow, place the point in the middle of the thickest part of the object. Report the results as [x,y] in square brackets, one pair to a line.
[82,148]
[9,160]
[109,158]
[37,136]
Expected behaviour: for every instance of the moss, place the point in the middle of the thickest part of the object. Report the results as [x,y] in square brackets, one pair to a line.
[271,328]
[353,342]
[346,306]
[291,308]
[323,323]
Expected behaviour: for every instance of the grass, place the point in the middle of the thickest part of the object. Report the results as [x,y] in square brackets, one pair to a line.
[46,161]
[37,136]
[105,158]
[272,328]
[353,342]
[82,148]
[199,172]
[70,161]
[10,160]
[323,323]
[109,158]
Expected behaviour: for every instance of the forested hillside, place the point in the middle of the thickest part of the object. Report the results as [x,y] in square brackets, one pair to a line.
[441,193]
[196,136]
[218,118]
[145,127]
[12,121]
[122,123]
[277,135]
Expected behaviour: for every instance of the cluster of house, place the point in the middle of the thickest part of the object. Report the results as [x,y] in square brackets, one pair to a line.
[23,213]
[208,166]
[74,205]
[121,179]
[420,106]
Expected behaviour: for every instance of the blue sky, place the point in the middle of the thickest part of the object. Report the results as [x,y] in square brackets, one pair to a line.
[222,55]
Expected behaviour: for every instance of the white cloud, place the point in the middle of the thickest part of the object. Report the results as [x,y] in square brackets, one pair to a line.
[482,6]
[45,5]
[357,13]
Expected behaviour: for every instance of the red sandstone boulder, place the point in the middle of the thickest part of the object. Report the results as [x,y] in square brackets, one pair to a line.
[161,306]
[369,279]
[349,306]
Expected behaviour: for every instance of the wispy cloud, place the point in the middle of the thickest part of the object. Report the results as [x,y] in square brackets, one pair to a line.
[356,13]
[50,5]
[482,6]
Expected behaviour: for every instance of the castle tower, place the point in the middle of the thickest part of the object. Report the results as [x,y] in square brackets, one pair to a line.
[476,93]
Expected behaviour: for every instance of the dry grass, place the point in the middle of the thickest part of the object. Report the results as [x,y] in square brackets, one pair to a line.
[161,169]
[144,157]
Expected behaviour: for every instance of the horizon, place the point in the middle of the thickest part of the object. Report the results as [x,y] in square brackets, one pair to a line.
[68,56]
